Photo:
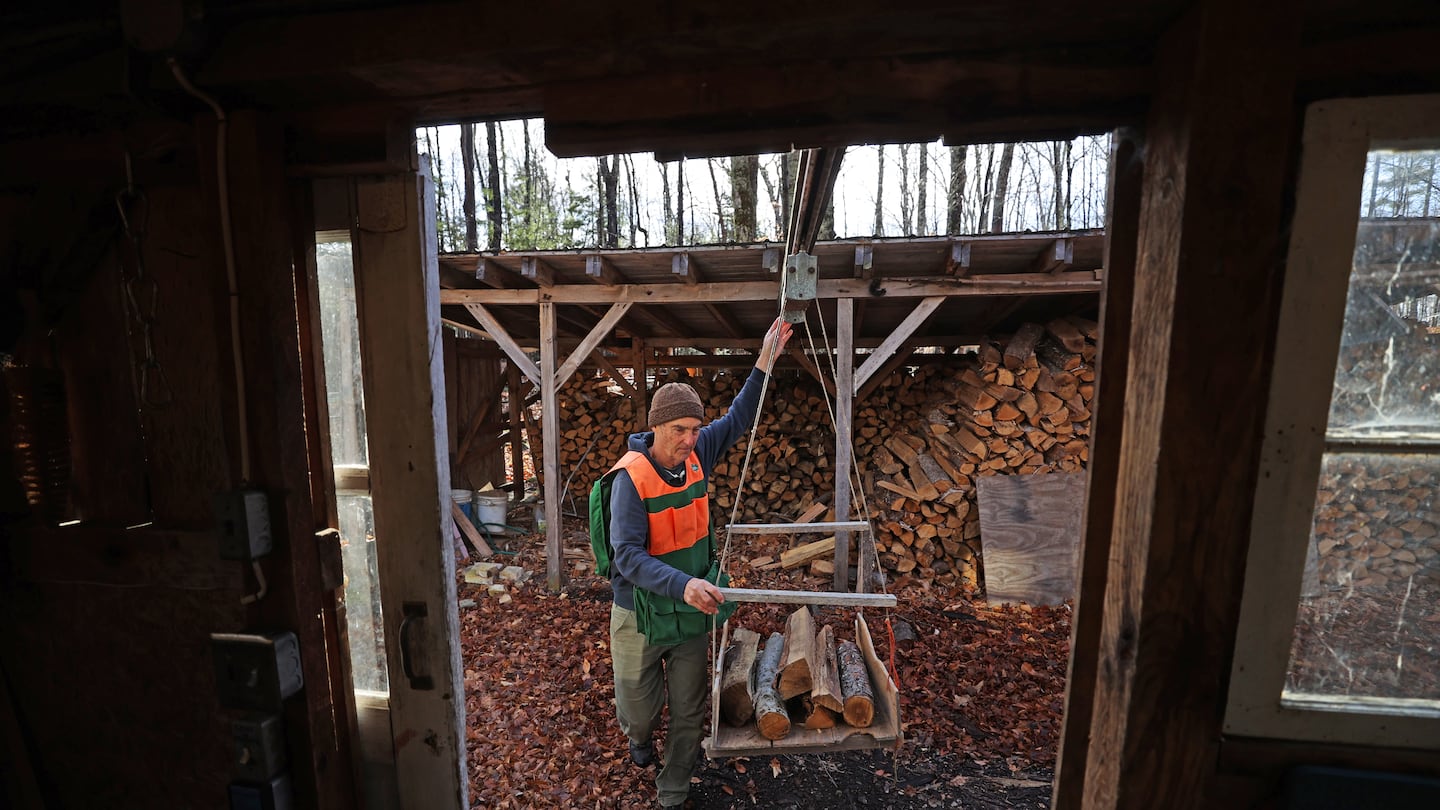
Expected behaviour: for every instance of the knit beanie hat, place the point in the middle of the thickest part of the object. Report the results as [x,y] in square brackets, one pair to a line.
[673,401]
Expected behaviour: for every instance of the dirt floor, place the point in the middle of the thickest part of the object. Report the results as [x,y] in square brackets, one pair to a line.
[981,698]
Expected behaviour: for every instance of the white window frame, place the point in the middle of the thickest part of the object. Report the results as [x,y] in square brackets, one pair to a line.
[1338,137]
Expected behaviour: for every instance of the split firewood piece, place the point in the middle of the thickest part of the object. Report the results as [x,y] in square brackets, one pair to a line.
[1022,344]
[855,686]
[805,553]
[810,714]
[737,685]
[800,658]
[771,718]
[825,680]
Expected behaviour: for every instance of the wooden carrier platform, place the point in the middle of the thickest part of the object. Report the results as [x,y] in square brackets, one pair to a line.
[883,732]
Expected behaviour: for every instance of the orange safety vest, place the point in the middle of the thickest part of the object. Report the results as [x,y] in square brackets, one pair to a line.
[679,516]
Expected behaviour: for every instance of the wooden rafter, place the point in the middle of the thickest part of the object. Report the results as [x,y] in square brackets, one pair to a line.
[901,334]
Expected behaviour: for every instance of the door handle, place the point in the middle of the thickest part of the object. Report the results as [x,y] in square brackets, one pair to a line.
[412,612]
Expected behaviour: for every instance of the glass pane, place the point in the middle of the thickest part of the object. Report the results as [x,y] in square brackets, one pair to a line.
[362,594]
[340,337]
[1387,380]
[1367,635]
[1369,621]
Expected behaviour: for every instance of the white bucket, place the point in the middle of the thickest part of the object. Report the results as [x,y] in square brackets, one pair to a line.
[464,498]
[491,508]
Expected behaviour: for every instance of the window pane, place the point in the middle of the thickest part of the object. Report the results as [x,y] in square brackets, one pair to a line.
[1387,380]
[362,594]
[341,338]
[1369,621]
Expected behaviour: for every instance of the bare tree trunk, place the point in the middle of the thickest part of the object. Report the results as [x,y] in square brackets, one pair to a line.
[955,199]
[774,201]
[982,216]
[467,158]
[634,203]
[609,203]
[1374,182]
[922,202]
[744,171]
[789,167]
[879,229]
[440,217]
[680,202]
[1002,186]
[669,225]
[719,203]
[529,209]
[494,206]
[907,211]
[1069,184]
[827,220]
[1429,184]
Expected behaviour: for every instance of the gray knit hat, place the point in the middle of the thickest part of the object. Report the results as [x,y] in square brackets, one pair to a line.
[673,401]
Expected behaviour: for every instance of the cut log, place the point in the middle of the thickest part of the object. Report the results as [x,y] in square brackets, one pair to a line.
[1022,344]
[800,657]
[737,686]
[771,719]
[855,686]
[825,686]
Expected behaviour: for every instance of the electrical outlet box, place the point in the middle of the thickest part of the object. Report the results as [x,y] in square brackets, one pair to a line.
[259,746]
[256,672]
[271,794]
[243,517]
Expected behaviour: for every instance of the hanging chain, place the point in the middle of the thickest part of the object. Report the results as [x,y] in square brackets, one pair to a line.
[141,292]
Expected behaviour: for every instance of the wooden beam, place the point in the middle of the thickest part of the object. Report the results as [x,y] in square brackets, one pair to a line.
[683,269]
[533,269]
[1219,145]
[602,271]
[844,435]
[902,333]
[957,263]
[1072,283]
[597,334]
[799,528]
[877,379]
[797,353]
[639,352]
[507,344]
[614,374]
[550,456]
[517,403]
[1057,257]
[491,274]
[837,598]
[1123,219]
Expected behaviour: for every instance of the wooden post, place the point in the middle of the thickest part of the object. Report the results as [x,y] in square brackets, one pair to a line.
[642,400]
[517,449]
[550,455]
[399,311]
[844,439]
[1123,215]
[1219,146]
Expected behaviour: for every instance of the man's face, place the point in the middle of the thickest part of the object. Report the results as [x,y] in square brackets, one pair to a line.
[674,440]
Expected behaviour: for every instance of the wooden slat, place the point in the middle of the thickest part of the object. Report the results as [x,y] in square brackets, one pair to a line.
[468,529]
[619,379]
[512,350]
[491,274]
[1031,530]
[838,598]
[601,270]
[798,528]
[597,334]
[901,333]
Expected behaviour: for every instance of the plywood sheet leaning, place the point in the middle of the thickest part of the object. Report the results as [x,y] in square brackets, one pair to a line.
[1030,528]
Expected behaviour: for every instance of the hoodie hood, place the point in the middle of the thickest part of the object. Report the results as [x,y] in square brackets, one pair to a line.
[641,442]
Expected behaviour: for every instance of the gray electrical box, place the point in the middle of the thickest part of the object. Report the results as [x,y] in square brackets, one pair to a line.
[243,518]
[256,672]
[276,793]
[259,746]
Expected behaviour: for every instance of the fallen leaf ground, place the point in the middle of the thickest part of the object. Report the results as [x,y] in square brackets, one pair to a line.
[981,699]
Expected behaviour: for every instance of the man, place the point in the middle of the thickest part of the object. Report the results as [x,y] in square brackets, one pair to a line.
[663,550]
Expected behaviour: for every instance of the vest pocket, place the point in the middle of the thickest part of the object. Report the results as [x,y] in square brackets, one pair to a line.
[668,622]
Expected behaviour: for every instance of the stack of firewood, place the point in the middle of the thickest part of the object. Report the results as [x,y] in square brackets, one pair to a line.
[1019,406]
[1376,522]
[803,677]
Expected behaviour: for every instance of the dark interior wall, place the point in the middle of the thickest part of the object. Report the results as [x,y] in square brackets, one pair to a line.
[104,634]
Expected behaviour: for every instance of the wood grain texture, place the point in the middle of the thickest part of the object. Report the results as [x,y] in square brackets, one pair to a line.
[1219,145]
[1030,525]
[1123,215]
